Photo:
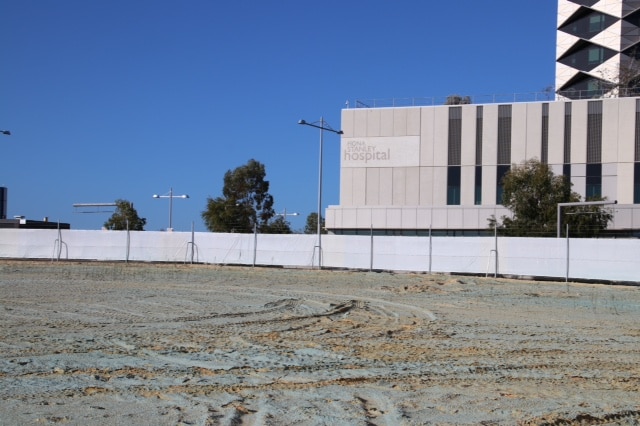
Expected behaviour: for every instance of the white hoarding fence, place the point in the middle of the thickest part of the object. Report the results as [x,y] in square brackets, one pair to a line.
[588,259]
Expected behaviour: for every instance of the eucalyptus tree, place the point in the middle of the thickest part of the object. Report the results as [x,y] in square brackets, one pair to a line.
[125,212]
[245,204]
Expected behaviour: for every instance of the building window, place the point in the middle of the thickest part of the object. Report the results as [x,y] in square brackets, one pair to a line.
[594,180]
[479,127]
[477,197]
[453,185]
[586,56]
[477,194]
[566,167]
[455,136]
[596,23]
[636,166]
[455,155]
[504,134]
[502,171]
[594,149]
[636,183]
[585,87]
[504,148]
[594,129]
[544,154]
[585,26]
[596,55]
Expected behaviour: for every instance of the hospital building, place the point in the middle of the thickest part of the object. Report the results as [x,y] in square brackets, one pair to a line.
[410,167]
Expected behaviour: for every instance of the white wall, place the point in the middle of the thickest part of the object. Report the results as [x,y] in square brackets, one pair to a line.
[592,259]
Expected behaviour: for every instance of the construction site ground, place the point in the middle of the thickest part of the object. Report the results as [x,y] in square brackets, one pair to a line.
[179,344]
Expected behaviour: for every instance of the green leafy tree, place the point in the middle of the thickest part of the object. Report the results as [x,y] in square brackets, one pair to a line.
[457,100]
[532,193]
[125,212]
[279,225]
[245,202]
[311,226]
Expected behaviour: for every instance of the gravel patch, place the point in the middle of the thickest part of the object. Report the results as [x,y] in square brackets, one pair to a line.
[113,343]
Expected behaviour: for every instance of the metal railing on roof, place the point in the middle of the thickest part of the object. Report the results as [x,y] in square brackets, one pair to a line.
[545,96]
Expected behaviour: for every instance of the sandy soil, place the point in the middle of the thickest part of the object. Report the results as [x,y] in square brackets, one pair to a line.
[150,344]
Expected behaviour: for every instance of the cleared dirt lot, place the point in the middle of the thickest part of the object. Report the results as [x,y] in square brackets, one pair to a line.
[104,343]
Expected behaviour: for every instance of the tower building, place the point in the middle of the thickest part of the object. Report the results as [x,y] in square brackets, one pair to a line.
[598,48]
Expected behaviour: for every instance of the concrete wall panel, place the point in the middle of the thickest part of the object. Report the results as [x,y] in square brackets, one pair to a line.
[359,186]
[360,123]
[346,186]
[556,133]
[373,187]
[426,186]
[412,195]
[578,132]
[533,148]
[624,182]
[440,186]
[610,126]
[413,121]
[519,133]
[400,121]
[374,122]
[468,157]
[441,136]
[387,121]
[427,136]
[386,186]
[490,136]
[399,186]
[467,185]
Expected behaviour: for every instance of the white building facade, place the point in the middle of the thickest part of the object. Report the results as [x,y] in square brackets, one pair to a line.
[411,170]
[416,170]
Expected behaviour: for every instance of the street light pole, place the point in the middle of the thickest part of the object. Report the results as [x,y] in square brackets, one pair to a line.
[577,203]
[322,125]
[170,197]
[284,214]
[5,132]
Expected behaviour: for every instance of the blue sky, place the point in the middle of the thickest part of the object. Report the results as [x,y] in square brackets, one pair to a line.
[126,99]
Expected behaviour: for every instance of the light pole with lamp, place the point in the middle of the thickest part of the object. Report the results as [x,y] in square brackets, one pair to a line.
[5,132]
[577,203]
[322,125]
[170,197]
[284,214]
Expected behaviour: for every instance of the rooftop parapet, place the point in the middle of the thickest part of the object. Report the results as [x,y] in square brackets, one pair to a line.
[457,99]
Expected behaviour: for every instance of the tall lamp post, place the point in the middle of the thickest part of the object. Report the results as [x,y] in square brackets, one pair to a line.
[5,132]
[577,203]
[170,197]
[284,214]
[322,125]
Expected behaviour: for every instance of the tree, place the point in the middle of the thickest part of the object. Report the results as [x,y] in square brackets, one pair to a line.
[457,100]
[245,202]
[626,82]
[125,212]
[278,226]
[532,193]
[620,81]
[312,224]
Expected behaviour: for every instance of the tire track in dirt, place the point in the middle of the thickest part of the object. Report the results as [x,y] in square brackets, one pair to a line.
[251,346]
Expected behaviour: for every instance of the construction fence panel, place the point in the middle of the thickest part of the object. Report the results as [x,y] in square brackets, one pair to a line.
[559,258]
